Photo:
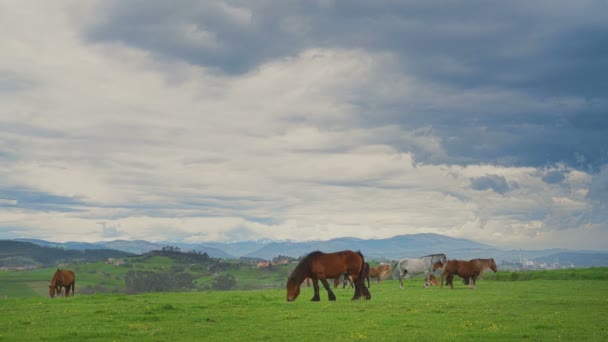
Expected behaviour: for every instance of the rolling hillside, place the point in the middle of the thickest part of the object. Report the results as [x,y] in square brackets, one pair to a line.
[29,255]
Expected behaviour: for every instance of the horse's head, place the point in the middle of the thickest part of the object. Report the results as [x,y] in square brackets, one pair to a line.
[293,289]
[493,265]
[437,265]
[52,290]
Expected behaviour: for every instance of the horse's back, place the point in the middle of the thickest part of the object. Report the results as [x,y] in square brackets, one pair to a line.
[68,277]
[336,264]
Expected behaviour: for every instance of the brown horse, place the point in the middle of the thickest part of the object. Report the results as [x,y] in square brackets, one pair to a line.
[433,280]
[322,266]
[471,269]
[62,278]
[379,272]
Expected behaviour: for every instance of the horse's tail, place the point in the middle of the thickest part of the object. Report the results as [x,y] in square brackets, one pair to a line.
[362,288]
[395,266]
[362,269]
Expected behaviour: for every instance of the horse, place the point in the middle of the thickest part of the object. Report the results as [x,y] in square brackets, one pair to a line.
[379,272]
[471,269]
[433,280]
[62,278]
[322,266]
[411,267]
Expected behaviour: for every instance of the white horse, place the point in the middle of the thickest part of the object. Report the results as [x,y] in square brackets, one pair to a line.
[411,267]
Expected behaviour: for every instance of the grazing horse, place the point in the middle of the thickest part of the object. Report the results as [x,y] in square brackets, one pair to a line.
[322,266]
[379,272]
[471,269]
[412,267]
[433,280]
[62,278]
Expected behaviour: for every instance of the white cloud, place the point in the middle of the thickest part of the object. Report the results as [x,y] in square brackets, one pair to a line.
[121,144]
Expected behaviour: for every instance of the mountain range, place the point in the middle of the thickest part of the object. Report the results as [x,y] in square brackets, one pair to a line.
[401,246]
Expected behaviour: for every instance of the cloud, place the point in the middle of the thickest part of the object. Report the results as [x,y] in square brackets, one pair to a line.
[490,182]
[303,120]
[553,177]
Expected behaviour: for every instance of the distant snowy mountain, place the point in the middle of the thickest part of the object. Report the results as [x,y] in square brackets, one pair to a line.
[397,247]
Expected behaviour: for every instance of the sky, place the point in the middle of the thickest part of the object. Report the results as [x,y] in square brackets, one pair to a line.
[200,121]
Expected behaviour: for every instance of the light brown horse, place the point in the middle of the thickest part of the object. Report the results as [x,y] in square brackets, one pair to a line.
[322,266]
[471,269]
[379,272]
[62,278]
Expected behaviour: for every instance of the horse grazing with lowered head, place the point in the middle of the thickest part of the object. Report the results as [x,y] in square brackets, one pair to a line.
[62,278]
[320,266]
[471,270]
[414,266]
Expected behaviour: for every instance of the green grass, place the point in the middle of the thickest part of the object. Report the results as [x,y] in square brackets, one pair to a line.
[497,310]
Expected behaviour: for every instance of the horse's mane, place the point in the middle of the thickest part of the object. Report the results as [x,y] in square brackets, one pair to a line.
[55,276]
[432,255]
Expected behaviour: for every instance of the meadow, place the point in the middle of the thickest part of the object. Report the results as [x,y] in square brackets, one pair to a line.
[538,308]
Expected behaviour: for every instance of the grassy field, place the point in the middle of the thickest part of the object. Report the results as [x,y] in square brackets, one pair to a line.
[536,309]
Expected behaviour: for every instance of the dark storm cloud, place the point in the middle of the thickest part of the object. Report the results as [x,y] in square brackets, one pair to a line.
[490,182]
[548,60]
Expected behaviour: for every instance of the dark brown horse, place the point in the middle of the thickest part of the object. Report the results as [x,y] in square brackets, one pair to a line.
[471,269]
[322,266]
[62,278]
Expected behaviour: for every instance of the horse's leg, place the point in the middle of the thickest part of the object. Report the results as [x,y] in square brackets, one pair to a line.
[449,281]
[330,293]
[472,281]
[360,289]
[401,273]
[315,285]
[365,293]
[426,279]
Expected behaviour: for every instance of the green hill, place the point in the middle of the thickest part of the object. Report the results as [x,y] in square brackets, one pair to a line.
[17,254]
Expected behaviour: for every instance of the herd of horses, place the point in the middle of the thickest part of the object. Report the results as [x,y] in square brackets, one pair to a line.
[351,266]
[318,266]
